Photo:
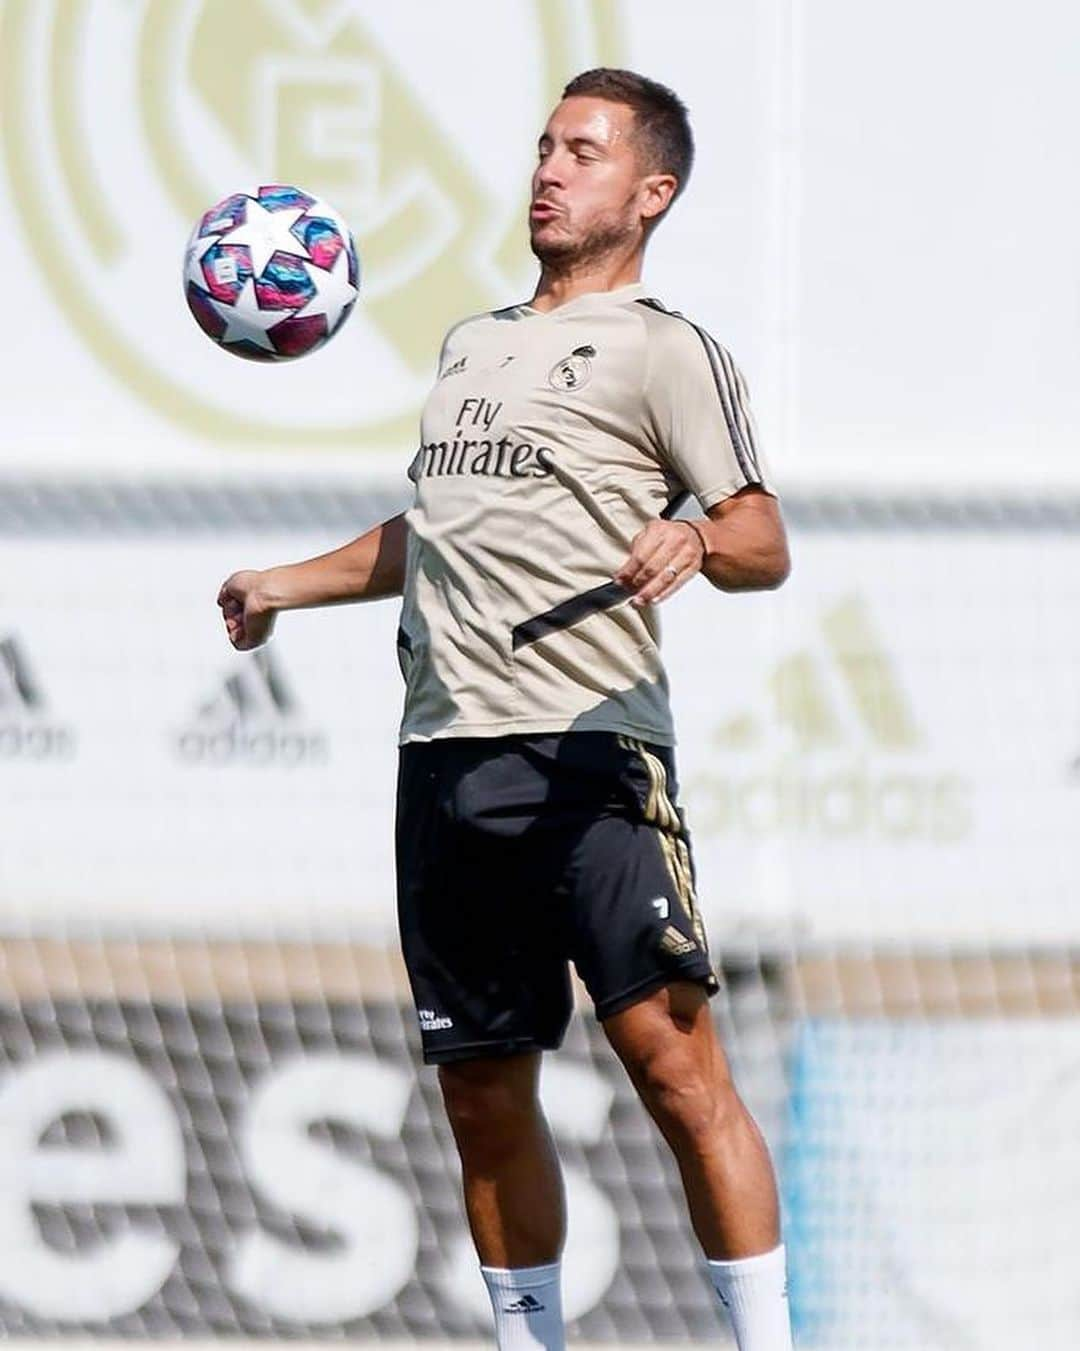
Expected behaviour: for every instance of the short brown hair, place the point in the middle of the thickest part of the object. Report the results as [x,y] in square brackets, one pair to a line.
[660,116]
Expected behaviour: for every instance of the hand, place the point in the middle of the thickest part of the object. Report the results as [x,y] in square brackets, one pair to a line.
[249,618]
[663,557]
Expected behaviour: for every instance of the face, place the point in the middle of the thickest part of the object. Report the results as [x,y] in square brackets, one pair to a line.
[590,195]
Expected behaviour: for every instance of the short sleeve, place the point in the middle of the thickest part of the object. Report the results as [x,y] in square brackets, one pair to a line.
[698,412]
[447,350]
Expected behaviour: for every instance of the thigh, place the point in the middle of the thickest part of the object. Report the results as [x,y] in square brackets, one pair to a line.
[635,920]
[673,1019]
[487,978]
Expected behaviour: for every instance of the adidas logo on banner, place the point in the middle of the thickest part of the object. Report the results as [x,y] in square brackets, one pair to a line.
[26,731]
[526,1304]
[251,719]
[837,753]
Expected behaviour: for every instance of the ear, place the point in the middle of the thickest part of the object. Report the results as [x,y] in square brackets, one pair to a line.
[656,193]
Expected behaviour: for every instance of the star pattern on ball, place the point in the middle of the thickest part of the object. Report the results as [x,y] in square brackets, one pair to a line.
[265,233]
[245,321]
[334,293]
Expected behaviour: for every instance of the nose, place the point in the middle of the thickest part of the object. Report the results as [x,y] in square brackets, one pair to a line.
[549,174]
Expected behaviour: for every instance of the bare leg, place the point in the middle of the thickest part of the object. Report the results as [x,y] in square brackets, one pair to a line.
[510,1171]
[670,1050]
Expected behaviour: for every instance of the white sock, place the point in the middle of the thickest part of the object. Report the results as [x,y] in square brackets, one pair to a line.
[528,1307]
[754,1292]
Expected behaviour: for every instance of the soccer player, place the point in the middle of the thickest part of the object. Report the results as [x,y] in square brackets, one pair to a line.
[537,816]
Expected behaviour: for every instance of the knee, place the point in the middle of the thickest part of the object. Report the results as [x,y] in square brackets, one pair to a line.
[693,1106]
[491,1107]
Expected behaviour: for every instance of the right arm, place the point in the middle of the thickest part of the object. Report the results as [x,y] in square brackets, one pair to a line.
[367,568]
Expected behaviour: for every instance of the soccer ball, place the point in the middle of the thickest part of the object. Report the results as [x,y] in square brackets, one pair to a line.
[271,274]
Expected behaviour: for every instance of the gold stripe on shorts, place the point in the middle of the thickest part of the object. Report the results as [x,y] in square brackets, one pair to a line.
[661,813]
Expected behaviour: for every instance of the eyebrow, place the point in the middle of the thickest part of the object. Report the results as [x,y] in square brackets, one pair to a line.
[572,142]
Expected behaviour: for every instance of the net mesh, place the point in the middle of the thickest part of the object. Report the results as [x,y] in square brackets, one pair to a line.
[208,1055]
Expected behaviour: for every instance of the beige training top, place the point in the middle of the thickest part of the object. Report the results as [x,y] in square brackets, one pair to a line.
[548,442]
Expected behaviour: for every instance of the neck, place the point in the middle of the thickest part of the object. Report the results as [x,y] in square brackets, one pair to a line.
[562,281]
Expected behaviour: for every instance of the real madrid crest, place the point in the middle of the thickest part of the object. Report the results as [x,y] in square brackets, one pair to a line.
[325,93]
[573,371]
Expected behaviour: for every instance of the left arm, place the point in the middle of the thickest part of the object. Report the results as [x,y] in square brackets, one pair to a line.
[740,545]
[747,547]
[697,416]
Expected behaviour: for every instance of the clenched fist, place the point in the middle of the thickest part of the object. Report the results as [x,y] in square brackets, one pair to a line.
[249,618]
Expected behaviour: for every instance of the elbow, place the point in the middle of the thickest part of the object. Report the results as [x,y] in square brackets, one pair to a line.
[768,579]
[779,571]
[765,574]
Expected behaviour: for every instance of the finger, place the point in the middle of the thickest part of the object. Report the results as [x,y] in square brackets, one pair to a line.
[660,568]
[646,545]
[650,592]
[656,546]
[628,574]
[660,589]
[664,575]
[643,545]
[257,629]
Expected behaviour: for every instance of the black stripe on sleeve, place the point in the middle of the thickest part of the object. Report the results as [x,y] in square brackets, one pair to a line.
[738,400]
[568,613]
[744,405]
[743,454]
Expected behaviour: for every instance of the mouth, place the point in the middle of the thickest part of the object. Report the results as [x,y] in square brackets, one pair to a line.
[542,211]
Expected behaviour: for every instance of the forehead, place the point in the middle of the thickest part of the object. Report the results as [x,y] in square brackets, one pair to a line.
[583,117]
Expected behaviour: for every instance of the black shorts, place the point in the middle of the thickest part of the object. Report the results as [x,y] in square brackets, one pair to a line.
[518,854]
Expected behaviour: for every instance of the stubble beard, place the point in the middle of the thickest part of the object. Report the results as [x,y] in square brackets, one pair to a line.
[565,255]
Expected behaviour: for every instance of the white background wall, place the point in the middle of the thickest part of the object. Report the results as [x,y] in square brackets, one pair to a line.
[881,225]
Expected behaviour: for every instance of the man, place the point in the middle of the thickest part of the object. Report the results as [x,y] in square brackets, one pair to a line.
[536,801]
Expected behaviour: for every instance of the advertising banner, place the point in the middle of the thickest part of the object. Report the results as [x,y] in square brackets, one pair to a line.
[280,1169]
[863,755]
[886,748]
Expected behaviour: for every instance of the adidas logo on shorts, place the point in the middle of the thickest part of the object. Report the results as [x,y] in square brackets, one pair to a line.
[676,943]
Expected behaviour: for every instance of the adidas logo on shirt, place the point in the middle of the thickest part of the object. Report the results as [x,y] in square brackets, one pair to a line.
[455,368]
